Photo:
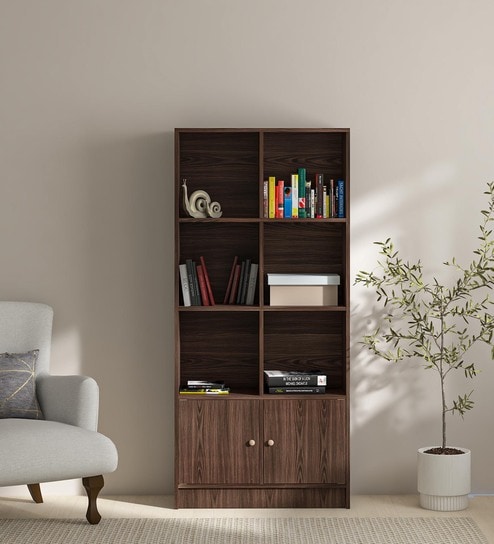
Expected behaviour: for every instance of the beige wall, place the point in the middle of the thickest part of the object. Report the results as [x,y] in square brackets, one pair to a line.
[90,94]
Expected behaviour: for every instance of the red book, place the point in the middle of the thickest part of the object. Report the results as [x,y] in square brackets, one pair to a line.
[236,281]
[280,198]
[202,285]
[230,281]
[208,284]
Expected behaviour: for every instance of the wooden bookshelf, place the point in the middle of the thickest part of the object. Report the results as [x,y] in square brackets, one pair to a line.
[250,448]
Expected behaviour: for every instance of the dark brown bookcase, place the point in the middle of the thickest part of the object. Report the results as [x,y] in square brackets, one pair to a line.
[250,448]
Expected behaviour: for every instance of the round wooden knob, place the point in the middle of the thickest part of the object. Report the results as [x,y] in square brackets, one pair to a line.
[251,442]
[270,443]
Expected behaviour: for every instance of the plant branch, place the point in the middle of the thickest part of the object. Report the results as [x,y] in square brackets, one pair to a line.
[423,319]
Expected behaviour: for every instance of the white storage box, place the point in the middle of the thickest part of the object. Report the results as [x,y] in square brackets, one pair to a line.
[303,289]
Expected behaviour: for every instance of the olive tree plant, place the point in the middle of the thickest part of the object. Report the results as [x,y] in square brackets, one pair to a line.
[432,323]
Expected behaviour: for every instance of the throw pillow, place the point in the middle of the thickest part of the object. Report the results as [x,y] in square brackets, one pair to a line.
[18,385]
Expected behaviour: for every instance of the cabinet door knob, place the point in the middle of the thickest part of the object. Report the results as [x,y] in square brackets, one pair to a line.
[270,443]
[251,442]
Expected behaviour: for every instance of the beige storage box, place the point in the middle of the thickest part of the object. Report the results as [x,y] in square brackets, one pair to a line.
[303,289]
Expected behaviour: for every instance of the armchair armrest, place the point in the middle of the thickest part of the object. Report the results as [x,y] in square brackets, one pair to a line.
[69,399]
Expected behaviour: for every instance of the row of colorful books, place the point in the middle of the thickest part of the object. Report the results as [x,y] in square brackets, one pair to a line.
[204,387]
[293,382]
[302,198]
[196,285]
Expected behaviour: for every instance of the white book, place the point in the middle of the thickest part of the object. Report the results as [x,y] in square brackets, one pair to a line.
[303,279]
[185,284]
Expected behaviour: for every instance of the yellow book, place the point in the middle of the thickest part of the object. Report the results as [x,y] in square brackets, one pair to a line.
[294,195]
[271,196]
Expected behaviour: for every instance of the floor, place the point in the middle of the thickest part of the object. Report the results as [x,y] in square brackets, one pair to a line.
[481,509]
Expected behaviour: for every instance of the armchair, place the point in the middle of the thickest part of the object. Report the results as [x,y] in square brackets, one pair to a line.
[61,441]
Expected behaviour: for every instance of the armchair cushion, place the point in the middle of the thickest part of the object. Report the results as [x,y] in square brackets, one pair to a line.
[45,451]
[18,386]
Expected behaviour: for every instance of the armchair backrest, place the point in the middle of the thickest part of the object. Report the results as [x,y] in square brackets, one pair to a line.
[25,326]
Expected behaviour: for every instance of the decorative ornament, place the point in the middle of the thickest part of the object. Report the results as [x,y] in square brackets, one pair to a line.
[199,204]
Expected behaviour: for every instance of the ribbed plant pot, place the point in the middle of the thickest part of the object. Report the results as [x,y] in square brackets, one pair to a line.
[443,480]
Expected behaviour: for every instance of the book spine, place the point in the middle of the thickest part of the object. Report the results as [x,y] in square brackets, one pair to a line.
[294,195]
[332,197]
[193,285]
[204,384]
[234,289]
[303,380]
[230,281]
[308,187]
[271,196]
[319,195]
[184,281]
[265,199]
[197,289]
[341,198]
[280,196]
[204,392]
[245,282]
[208,283]
[302,213]
[202,285]
[287,203]
[240,283]
[297,390]
[251,289]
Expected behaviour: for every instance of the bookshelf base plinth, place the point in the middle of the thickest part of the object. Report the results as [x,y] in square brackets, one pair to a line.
[327,497]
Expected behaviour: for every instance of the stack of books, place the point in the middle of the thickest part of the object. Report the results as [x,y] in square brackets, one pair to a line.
[203,387]
[286,382]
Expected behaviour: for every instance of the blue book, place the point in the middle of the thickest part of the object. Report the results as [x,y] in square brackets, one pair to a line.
[287,211]
[341,198]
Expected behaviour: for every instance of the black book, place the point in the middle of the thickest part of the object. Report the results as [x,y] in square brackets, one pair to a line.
[195,297]
[287,378]
[245,281]
[297,390]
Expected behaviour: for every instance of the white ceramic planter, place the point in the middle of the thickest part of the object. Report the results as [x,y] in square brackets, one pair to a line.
[443,481]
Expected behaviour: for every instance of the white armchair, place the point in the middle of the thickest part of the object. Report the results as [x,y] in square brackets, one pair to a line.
[61,441]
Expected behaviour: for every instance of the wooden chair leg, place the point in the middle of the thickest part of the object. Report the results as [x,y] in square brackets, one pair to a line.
[93,486]
[35,491]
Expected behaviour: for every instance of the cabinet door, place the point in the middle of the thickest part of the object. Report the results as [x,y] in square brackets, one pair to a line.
[219,441]
[305,441]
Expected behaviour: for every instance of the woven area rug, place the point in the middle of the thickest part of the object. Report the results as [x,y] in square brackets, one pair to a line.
[460,530]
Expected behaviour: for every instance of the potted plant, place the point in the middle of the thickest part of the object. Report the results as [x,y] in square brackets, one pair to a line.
[436,325]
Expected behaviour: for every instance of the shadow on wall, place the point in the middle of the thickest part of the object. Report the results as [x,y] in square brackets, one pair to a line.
[395,406]
[389,422]
[126,317]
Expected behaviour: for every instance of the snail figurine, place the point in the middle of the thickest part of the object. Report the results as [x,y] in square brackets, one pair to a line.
[199,204]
